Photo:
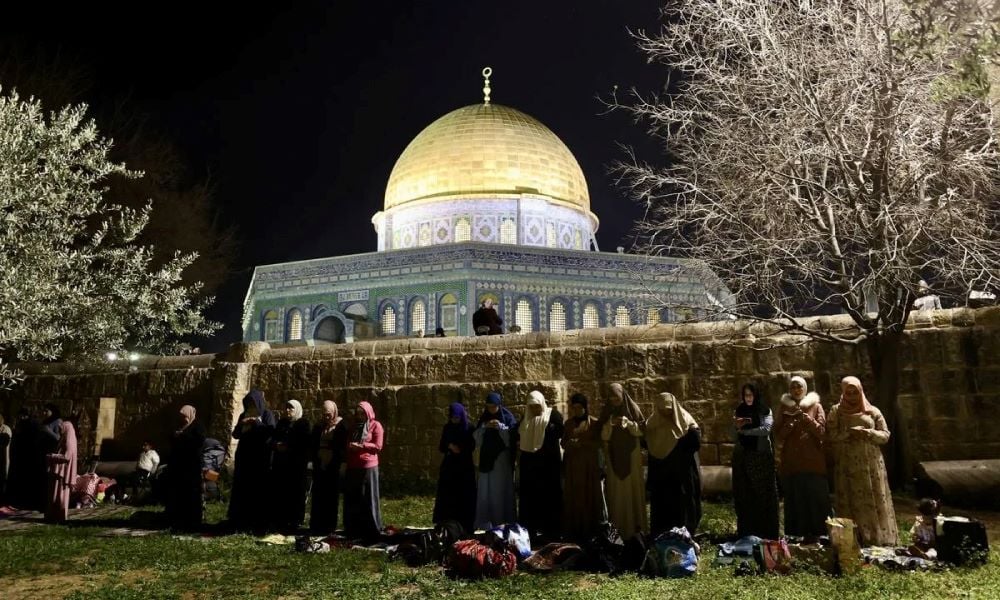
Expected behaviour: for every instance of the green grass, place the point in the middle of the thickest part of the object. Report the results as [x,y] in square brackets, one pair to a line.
[72,562]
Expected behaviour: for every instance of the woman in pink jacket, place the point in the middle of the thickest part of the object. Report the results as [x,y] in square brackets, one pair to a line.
[362,514]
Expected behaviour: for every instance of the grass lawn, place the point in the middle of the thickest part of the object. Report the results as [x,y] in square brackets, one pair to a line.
[73,562]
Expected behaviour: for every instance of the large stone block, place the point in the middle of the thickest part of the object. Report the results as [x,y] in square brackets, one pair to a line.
[482,366]
[668,360]
[582,363]
[625,362]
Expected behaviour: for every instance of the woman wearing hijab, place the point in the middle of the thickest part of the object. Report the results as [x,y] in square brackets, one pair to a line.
[857,430]
[249,501]
[289,466]
[799,434]
[755,488]
[456,491]
[621,428]
[27,483]
[62,474]
[184,496]
[51,428]
[584,508]
[5,437]
[329,443]
[674,482]
[496,438]
[362,511]
[541,467]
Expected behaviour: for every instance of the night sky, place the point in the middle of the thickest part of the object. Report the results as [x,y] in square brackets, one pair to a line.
[297,114]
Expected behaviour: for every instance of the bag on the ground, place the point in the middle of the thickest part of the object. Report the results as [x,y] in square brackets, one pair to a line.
[742,553]
[554,557]
[845,541]
[633,554]
[604,550]
[962,541]
[475,560]
[775,557]
[672,554]
[513,536]
[85,490]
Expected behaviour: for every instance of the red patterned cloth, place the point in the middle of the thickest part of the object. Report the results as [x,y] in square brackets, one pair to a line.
[473,559]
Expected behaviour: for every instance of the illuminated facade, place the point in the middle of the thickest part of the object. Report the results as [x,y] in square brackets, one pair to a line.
[485,202]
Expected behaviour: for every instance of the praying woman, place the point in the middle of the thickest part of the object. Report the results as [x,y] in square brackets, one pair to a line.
[541,468]
[184,499]
[289,465]
[674,482]
[362,508]
[755,487]
[329,443]
[496,438]
[249,502]
[456,490]
[584,508]
[62,474]
[621,429]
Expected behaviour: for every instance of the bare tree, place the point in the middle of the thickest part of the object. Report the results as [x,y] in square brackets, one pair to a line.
[827,155]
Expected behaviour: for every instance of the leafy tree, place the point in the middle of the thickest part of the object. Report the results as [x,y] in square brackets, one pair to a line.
[828,155]
[74,282]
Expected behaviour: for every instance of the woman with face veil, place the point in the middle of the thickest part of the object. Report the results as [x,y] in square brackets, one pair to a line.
[540,431]
[456,491]
[289,462]
[329,443]
[621,429]
[250,499]
[184,472]
[674,483]
[584,508]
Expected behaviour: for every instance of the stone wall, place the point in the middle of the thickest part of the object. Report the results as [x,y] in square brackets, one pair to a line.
[950,381]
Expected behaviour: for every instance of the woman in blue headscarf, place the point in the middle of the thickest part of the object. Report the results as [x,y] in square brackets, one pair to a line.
[249,500]
[496,439]
[456,491]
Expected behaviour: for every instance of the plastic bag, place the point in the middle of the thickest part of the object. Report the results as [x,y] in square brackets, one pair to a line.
[514,537]
[673,554]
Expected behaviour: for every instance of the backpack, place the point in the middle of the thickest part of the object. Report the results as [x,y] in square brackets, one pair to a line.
[962,541]
[474,560]
[672,554]
[604,550]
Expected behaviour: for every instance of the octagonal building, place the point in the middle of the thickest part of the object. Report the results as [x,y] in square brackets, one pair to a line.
[485,203]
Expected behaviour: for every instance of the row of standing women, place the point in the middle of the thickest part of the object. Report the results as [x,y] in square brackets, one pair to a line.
[271,463]
[574,475]
[805,443]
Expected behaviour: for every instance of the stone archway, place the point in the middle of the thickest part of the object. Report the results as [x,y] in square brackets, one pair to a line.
[330,330]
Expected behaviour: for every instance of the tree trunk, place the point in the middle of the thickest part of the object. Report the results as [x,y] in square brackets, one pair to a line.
[883,353]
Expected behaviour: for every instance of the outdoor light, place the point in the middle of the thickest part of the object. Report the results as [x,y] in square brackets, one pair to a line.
[133,356]
[111,356]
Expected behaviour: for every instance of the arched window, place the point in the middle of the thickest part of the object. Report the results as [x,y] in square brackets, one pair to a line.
[272,328]
[294,325]
[388,320]
[508,231]
[449,312]
[621,317]
[463,230]
[424,237]
[523,315]
[591,319]
[557,317]
[652,316]
[550,235]
[418,316]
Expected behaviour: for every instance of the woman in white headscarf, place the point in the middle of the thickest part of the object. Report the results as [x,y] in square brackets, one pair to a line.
[540,431]
[289,461]
[674,481]
[799,434]
[329,443]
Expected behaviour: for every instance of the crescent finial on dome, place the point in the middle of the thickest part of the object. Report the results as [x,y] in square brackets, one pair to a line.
[486,85]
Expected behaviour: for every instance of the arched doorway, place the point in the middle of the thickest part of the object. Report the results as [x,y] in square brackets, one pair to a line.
[330,331]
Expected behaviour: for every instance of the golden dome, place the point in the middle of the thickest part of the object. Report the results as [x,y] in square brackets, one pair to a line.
[486,149]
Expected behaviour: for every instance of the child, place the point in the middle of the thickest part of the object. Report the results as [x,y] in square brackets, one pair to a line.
[147,464]
[923,533]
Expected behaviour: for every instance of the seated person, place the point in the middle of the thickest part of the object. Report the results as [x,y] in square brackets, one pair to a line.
[923,534]
[147,464]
